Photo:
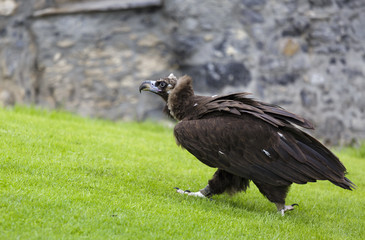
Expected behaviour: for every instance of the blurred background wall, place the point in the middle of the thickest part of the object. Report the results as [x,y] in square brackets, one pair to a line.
[89,56]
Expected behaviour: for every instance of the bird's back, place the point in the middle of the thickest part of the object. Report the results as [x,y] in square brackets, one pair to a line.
[257,141]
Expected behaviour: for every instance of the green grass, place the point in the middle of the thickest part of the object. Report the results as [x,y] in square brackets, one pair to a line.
[67,177]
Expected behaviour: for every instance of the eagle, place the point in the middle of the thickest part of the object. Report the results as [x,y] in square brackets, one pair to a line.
[246,140]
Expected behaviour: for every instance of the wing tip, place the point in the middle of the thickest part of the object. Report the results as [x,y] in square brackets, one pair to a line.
[350,184]
[345,184]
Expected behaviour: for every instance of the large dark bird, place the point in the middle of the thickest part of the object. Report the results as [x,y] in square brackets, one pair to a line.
[246,140]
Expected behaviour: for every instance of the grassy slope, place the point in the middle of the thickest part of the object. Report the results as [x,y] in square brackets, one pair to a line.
[63,176]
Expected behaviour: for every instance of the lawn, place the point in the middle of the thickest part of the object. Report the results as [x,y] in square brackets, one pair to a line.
[67,177]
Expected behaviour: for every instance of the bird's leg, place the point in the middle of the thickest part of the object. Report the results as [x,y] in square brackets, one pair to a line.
[221,182]
[282,208]
[205,192]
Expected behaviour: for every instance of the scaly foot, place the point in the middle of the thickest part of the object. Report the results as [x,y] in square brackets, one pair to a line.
[282,208]
[189,193]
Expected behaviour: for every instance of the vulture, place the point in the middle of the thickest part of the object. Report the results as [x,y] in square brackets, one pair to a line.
[246,140]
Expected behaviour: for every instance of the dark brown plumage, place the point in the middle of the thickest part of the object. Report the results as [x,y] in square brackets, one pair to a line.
[246,140]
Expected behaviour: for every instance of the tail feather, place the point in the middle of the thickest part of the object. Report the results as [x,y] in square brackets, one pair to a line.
[349,184]
[321,159]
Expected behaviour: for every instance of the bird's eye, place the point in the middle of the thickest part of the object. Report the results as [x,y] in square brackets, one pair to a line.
[162,84]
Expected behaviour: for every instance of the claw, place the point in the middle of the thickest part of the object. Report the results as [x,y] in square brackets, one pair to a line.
[189,193]
[178,190]
[283,208]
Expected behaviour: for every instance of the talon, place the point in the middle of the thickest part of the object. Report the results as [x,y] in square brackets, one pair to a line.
[189,193]
[282,208]
[178,190]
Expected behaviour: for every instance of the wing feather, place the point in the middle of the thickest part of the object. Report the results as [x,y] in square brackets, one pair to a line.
[255,150]
[240,103]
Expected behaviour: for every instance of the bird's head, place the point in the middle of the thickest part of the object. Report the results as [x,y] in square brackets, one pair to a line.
[161,87]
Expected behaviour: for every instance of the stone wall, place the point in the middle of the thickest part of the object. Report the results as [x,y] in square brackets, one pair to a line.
[307,56]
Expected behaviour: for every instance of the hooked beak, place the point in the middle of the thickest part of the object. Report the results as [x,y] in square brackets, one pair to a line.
[149,86]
